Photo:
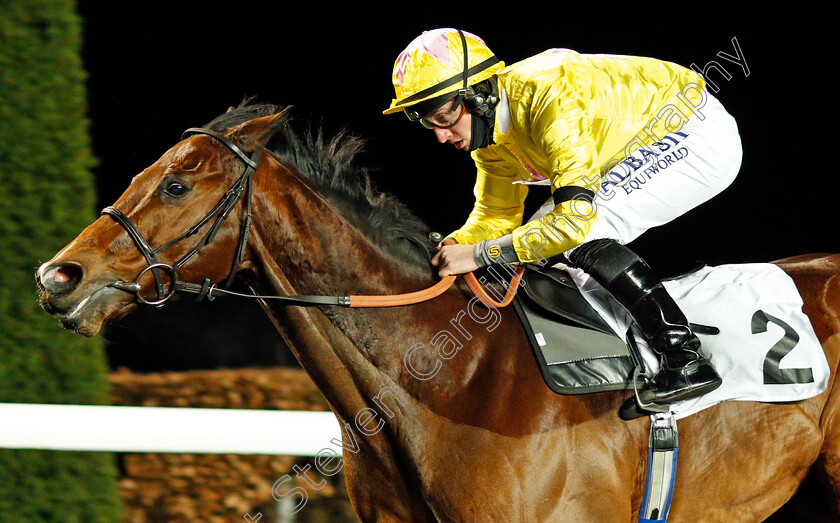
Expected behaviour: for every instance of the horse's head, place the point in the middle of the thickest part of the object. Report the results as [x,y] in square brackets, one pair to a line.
[171,214]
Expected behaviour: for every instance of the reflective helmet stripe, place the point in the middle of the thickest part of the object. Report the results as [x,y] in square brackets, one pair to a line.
[452,81]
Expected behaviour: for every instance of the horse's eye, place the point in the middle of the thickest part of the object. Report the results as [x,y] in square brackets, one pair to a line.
[176,189]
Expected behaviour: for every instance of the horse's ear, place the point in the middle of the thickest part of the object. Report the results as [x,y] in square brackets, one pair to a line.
[255,133]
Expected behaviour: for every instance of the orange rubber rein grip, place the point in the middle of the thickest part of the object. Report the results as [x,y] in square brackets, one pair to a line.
[439,288]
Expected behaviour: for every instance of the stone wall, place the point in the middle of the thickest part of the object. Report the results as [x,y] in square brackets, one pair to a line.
[220,487]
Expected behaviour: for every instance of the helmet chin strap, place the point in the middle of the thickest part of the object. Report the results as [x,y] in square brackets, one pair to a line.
[481,131]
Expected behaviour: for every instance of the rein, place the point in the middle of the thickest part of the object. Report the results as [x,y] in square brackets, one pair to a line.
[219,213]
[438,289]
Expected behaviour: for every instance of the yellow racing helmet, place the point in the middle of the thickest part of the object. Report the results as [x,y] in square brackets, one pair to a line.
[440,62]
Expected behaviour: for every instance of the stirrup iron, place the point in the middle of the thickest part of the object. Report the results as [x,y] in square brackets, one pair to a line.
[648,407]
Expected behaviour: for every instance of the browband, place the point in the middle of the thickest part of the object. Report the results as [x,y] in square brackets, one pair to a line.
[230,145]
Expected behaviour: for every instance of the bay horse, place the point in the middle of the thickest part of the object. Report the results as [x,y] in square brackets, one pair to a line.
[444,412]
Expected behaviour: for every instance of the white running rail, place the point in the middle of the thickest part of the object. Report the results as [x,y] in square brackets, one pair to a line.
[166,429]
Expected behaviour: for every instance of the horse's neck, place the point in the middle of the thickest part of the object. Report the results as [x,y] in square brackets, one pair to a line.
[438,356]
[301,244]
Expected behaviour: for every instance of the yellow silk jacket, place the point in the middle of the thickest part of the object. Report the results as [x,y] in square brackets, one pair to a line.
[564,116]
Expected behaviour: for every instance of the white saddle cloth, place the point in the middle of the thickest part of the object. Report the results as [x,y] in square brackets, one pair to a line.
[766,350]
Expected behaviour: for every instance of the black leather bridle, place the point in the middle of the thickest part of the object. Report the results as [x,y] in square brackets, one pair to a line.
[218,214]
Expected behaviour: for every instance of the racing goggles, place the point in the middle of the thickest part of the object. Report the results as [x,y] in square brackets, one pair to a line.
[441,117]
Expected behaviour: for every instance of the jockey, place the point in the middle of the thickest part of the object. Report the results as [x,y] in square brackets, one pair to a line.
[625,143]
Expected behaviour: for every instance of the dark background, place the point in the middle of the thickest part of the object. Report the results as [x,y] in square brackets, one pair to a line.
[158,68]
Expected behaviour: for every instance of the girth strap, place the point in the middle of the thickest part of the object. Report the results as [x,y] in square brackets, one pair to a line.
[663,452]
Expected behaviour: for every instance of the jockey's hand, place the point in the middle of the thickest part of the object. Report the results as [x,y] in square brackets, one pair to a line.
[454,259]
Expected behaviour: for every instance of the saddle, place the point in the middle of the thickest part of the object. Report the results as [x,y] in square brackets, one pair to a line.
[577,352]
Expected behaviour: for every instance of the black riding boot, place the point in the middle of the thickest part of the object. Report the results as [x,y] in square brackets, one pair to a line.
[683,373]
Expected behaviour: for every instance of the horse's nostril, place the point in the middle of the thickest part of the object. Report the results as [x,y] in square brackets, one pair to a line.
[61,278]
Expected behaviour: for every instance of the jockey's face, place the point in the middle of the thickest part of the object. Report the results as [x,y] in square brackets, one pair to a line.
[460,132]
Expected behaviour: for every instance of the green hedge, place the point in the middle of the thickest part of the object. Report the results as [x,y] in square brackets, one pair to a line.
[46,197]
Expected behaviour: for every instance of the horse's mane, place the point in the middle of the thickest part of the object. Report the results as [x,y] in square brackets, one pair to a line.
[330,165]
